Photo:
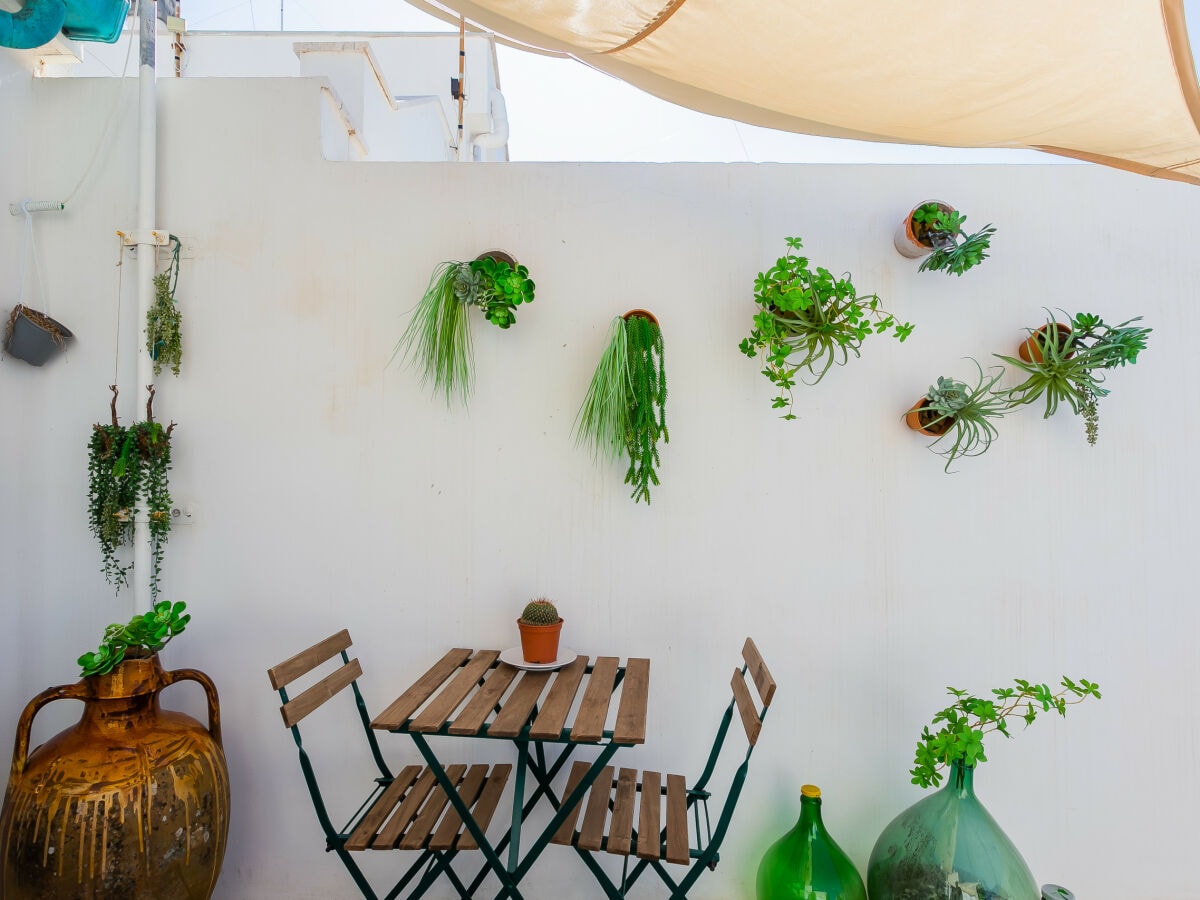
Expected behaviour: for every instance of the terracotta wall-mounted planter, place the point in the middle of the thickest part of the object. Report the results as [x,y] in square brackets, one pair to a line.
[918,418]
[909,239]
[1031,349]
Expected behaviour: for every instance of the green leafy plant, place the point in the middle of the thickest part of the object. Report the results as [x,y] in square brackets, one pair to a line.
[145,634]
[966,722]
[1068,364]
[625,406]
[438,336]
[808,320]
[540,612]
[127,473]
[164,341]
[954,251]
[960,415]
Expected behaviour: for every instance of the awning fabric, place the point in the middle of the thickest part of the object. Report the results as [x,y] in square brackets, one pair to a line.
[1108,81]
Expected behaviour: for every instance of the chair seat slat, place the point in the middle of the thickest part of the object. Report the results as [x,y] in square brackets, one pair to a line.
[441,707]
[419,833]
[410,701]
[591,833]
[519,705]
[631,712]
[306,660]
[389,836]
[648,840]
[480,706]
[677,821]
[451,824]
[485,806]
[567,829]
[368,825]
[300,706]
[593,709]
[553,715]
[625,800]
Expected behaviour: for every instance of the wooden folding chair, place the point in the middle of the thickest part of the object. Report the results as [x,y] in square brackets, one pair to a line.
[625,815]
[406,811]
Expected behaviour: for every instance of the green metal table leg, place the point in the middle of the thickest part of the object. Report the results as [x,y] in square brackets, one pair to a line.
[514,832]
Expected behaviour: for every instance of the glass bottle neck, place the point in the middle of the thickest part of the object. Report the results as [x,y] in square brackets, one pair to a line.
[810,815]
[961,779]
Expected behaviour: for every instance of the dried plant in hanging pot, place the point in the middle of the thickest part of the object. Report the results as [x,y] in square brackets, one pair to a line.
[438,337]
[127,475]
[33,336]
[164,341]
[625,407]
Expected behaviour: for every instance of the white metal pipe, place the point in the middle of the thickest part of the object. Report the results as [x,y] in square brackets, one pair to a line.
[146,257]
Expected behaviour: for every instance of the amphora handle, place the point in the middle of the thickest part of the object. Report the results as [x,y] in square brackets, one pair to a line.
[77,691]
[210,691]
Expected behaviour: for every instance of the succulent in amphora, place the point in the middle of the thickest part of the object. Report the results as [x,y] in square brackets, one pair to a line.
[540,626]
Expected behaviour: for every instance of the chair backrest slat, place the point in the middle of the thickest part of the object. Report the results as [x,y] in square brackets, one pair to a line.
[299,707]
[759,672]
[306,660]
[745,707]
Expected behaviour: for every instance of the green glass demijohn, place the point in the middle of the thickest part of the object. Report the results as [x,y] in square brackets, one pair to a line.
[946,847]
[806,864]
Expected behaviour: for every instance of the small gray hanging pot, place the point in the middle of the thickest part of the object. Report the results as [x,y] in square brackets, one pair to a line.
[34,336]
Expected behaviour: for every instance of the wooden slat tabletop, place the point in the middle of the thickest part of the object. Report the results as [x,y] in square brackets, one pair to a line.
[495,697]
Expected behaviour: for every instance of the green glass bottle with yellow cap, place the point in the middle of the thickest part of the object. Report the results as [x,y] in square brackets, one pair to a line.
[806,863]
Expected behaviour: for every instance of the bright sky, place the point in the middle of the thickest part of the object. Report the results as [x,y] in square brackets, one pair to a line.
[559,109]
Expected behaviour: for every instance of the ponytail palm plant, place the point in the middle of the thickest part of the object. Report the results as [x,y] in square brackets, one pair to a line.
[625,407]
[438,337]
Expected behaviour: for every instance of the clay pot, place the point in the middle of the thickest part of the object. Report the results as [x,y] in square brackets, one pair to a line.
[1031,349]
[130,802]
[498,256]
[644,313]
[539,643]
[910,239]
[918,419]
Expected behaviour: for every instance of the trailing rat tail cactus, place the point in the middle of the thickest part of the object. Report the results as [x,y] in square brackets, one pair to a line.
[540,612]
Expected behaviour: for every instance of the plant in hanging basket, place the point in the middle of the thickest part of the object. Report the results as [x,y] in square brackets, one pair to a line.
[438,336]
[127,474]
[625,406]
[33,336]
[959,415]
[935,228]
[540,626]
[1068,364]
[808,320]
[164,341]
[143,636]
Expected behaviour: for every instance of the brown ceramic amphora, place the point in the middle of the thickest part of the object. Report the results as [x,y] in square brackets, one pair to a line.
[131,802]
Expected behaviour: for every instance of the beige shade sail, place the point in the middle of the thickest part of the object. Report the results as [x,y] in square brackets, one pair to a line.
[1108,81]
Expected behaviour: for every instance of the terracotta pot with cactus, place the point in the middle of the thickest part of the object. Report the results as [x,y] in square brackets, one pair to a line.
[540,626]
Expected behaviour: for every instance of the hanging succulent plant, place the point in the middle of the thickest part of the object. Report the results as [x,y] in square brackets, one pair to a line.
[438,337]
[164,341]
[625,406]
[127,468]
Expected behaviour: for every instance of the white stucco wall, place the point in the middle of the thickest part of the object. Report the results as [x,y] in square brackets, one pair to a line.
[334,492]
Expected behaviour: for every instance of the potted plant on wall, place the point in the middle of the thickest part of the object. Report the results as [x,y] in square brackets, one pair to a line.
[33,336]
[125,764]
[959,415]
[164,340]
[540,626]
[934,229]
[625,406]
[438,337]
[1067,363]
[127,470]
[807,320]
[947,844]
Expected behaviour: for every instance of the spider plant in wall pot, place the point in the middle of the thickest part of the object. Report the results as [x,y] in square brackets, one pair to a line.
[959,415]
[624,412]
[933,229]
[438,337]
[33,336]
[807,320]
[127,476]
[1069,363]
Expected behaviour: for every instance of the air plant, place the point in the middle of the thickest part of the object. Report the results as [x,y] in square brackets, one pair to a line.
[959,414]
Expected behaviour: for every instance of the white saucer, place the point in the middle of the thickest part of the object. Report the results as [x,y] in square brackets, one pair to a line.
[515,657]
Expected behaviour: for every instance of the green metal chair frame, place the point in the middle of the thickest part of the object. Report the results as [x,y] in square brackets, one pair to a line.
[706,852]
[434,862]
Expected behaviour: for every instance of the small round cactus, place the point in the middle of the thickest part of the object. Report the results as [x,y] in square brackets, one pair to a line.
[540,612]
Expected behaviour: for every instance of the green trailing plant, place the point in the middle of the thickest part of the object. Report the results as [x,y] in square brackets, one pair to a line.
[807,320]
[438,337]
[1068,364]
[540,612]
[164,341]
[144,635]
[961,415]
[128,473]
[624,410]
[954,251]
[966,721]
